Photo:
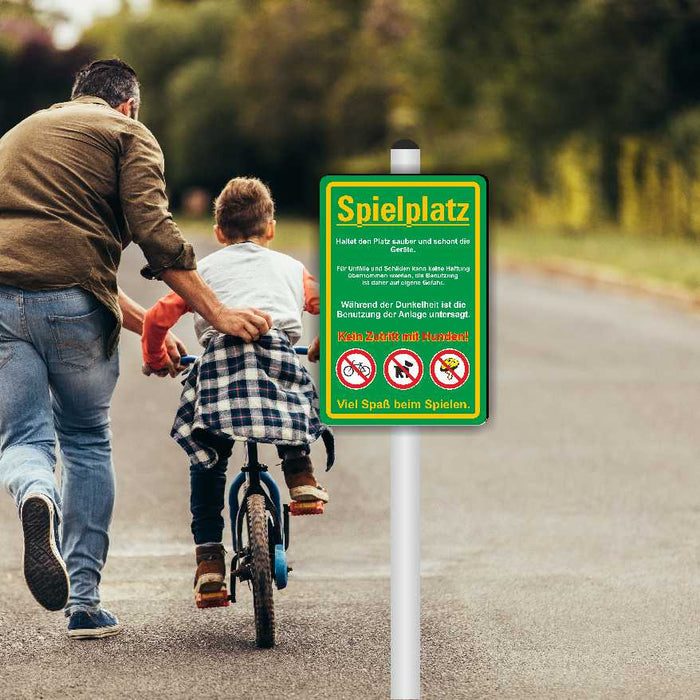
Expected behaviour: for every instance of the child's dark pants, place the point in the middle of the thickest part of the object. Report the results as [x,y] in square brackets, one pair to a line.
[208,491]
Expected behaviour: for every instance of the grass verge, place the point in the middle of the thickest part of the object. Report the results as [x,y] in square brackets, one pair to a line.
[607,254]
[292,233]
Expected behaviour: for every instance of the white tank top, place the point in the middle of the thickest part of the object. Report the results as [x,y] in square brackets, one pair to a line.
[247,274]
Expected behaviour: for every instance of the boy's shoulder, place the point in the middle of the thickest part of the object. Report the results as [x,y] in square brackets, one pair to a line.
[218,257]
[210,258]
[224,253]
[284,259]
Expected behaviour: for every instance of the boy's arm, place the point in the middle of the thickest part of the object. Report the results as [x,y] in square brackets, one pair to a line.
[312,304]
[312,297]
[157,322]
[314,353]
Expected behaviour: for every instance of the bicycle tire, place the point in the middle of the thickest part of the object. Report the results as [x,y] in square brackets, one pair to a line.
[261,565]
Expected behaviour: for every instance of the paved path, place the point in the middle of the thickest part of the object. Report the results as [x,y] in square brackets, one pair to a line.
[560,542]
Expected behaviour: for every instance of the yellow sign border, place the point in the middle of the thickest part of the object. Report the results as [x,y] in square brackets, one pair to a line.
[477,296]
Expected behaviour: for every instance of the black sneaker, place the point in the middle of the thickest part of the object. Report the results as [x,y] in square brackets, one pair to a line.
[93,625]
[44,569]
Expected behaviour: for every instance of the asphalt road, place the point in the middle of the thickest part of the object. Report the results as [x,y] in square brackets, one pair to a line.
[560,542]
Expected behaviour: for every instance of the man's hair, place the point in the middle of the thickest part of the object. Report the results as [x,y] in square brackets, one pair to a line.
[111,79]
[244,208]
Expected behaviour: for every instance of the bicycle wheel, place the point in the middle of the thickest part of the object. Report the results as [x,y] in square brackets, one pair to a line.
[261,571]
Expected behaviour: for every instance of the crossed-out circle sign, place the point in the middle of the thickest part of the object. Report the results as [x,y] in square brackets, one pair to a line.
[449,368]
[403,369]
[356,369]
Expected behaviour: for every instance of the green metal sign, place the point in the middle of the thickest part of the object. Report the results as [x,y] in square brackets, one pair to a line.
[404,306]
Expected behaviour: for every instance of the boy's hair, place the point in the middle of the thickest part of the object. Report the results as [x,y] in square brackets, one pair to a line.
[244,208]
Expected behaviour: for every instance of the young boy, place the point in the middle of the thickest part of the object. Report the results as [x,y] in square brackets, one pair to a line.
[242,391]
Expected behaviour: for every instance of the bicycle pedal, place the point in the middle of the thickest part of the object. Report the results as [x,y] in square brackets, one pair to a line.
[306,507]
[218,599]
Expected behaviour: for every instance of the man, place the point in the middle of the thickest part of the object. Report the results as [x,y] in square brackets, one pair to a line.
[78,182]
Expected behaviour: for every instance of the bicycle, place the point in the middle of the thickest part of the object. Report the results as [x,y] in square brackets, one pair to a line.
[260,538]
[364,369]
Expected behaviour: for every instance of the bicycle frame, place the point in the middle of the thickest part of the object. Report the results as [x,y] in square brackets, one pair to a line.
[256,479]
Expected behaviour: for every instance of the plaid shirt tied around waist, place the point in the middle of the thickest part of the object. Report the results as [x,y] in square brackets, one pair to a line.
[248,391]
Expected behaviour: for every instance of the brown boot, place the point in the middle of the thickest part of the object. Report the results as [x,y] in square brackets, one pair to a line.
[300,480]
[210,579]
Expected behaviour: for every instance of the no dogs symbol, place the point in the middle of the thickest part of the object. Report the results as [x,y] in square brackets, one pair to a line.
[356,369]
[449,369]
[403,369]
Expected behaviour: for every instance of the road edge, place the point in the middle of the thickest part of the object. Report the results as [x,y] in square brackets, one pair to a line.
[592,274]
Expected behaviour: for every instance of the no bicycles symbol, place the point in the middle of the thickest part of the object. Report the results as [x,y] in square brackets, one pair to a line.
[403,369]
[356,369]
[449,368]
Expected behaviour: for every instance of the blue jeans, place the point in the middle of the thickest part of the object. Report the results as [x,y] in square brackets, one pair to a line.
[57,381]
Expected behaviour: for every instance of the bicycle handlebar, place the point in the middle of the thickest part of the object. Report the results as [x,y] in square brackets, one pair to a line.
[190,359]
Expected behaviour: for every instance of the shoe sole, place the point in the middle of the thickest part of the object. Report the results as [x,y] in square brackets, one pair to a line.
[44,570]
[99,633]
[210,583]
[308,493]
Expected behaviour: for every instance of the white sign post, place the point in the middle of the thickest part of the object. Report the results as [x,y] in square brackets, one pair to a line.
[405,520]
[409,374]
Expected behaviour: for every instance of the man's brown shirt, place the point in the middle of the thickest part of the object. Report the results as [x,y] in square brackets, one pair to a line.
[78,182]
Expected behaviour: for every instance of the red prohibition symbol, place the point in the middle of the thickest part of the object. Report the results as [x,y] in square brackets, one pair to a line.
[449,368]
[356,369]
[403,369]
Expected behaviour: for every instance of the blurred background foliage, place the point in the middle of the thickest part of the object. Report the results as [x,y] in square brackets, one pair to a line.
[581,112]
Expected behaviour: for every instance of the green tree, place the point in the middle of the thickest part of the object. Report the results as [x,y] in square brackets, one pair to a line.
[33,72]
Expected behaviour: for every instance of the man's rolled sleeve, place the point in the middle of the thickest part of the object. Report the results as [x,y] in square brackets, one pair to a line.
[145,205]
[186,260]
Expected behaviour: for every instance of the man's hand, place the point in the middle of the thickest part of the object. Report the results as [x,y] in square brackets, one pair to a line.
[175,349]
[248,324]
[315,350]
